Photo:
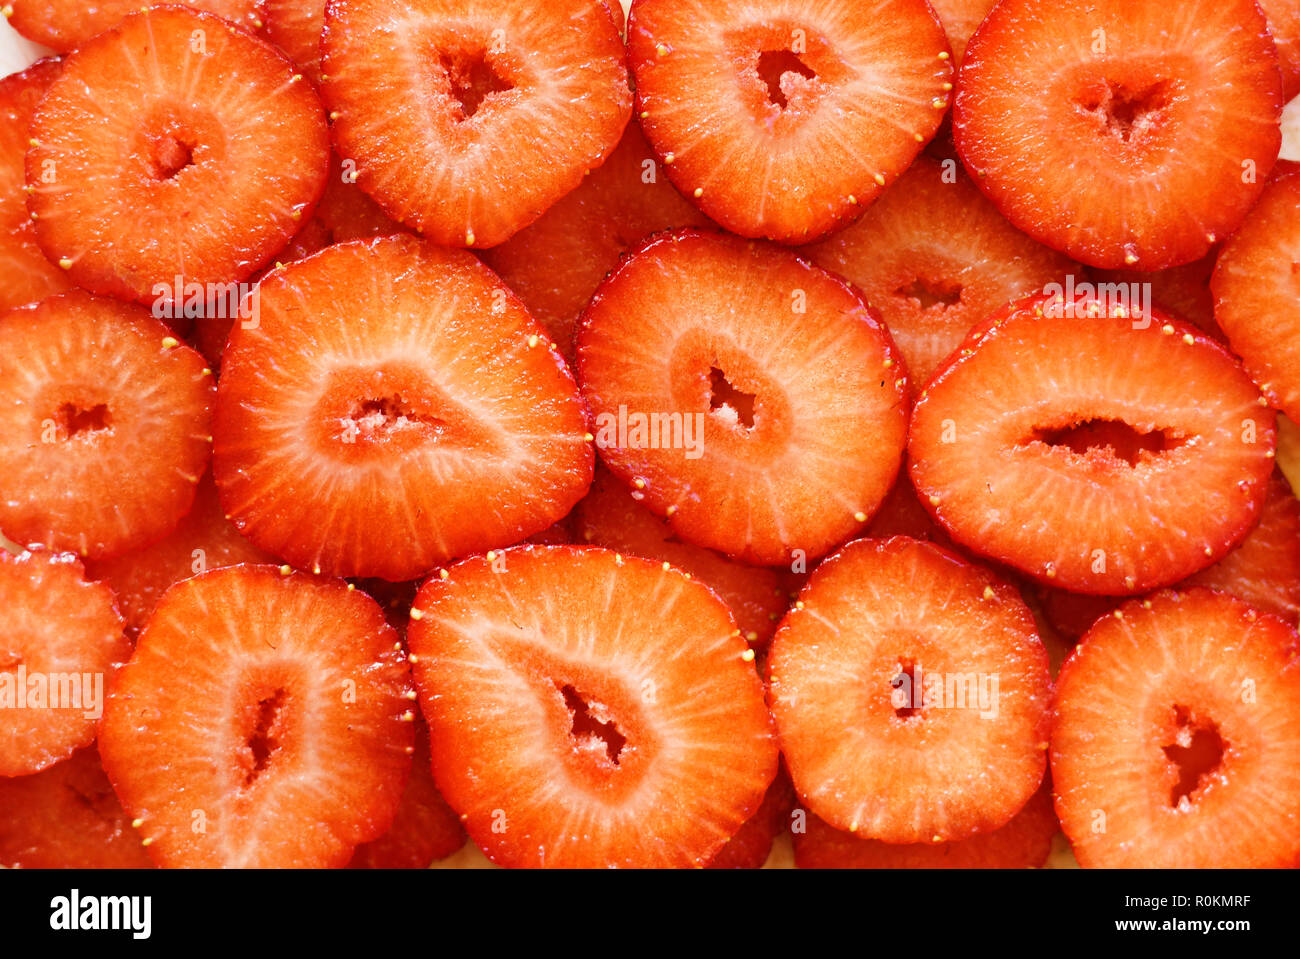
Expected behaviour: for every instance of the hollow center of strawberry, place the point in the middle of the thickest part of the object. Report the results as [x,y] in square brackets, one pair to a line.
[1126,111]
[472,80]
[588,729]
[376,420]
[1113,437]
[728,401]
[264,738]
[1196,752]
[774,65]
[72,420]
[906,698]
[930,292]
[168,156]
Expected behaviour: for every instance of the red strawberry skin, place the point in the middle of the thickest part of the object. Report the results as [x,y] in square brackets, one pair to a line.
[262,721]
[65,25]
[67,817]
[572,734]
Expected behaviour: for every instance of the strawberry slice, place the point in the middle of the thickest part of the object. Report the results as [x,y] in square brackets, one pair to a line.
[203,540]
[173,149]
[991,457]
[25,274]
[1256,284]
[425,830]
[395,406]
[753,398]
[901,514]
[468,119]
[612,516]
[751,846]
[295,26]
[262,721]
[1177,737]
[960,18]
[911,694]
[573,733]
[1134,100]
[1284,24]
[935,258]
[61,642]
[104,425]
[556,263]
[64,25]
[1024,842]
[67,817]
[785,118]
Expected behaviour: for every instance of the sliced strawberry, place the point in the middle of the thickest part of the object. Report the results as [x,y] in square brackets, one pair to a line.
[1023,843]
[1099,126]
[64,25]
[751,846]
[556,264]
[901,514]
[990,451]
[935,258]
[959,19]
[104,425]
[1182,291]
[1177,737]
[67,817]
[785,118]
[574,733]
[789,399]
[468,119]
[911,694]
[61,642]
[1256,284]
[1284,24]
[263,720]
[425,830]
[204,540]
[25,274]
[1072,614]
[394,407]
[295,26]
[173,149]
[611,516]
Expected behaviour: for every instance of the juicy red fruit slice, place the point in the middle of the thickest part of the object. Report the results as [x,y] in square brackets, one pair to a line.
[173,149]
[25,274]
[784,118]
[911,694]
[67,817]
[793,394]
[61,643]
[1134,98]
[262,721]
[1023,843]
[105,425]
[1256,285]
[295,26]
[1177,737]
[64,25]
[990,451]
[468,119]
[568,733]
[394,407]
[936,258]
